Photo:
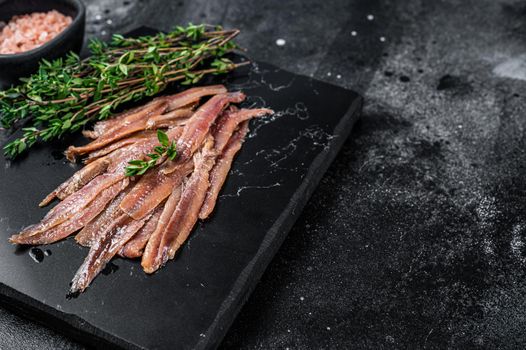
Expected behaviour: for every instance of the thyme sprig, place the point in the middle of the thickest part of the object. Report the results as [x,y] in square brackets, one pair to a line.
[66,94]
[165,149]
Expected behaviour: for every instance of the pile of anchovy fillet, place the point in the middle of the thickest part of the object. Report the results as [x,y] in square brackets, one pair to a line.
[152,215]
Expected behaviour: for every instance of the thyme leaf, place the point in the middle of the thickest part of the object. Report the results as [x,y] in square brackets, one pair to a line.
[166,149]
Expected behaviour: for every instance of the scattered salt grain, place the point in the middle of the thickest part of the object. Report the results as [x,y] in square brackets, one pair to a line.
[354,33]
[280,42]
[370,17]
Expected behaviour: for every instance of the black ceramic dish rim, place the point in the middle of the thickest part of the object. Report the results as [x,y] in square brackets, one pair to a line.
[80,8]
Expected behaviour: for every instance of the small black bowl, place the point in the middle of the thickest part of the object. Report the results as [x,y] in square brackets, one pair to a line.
[23,64]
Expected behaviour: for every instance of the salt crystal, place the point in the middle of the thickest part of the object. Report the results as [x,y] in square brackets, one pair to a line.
[42,36]
[370,17]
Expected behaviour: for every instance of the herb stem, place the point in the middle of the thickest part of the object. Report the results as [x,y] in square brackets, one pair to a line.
[67,93]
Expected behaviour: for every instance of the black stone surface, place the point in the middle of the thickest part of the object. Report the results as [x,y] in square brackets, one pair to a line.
[191,302]
[414,239]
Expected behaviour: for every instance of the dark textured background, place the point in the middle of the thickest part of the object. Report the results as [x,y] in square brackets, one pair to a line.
[415,237]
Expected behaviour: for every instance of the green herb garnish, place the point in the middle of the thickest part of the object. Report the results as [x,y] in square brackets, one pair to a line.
[167,148]
[66,94]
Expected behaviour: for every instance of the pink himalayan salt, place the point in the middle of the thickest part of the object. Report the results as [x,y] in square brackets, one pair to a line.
[27,32]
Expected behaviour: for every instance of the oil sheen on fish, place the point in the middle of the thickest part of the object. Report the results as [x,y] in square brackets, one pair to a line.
[221,168]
